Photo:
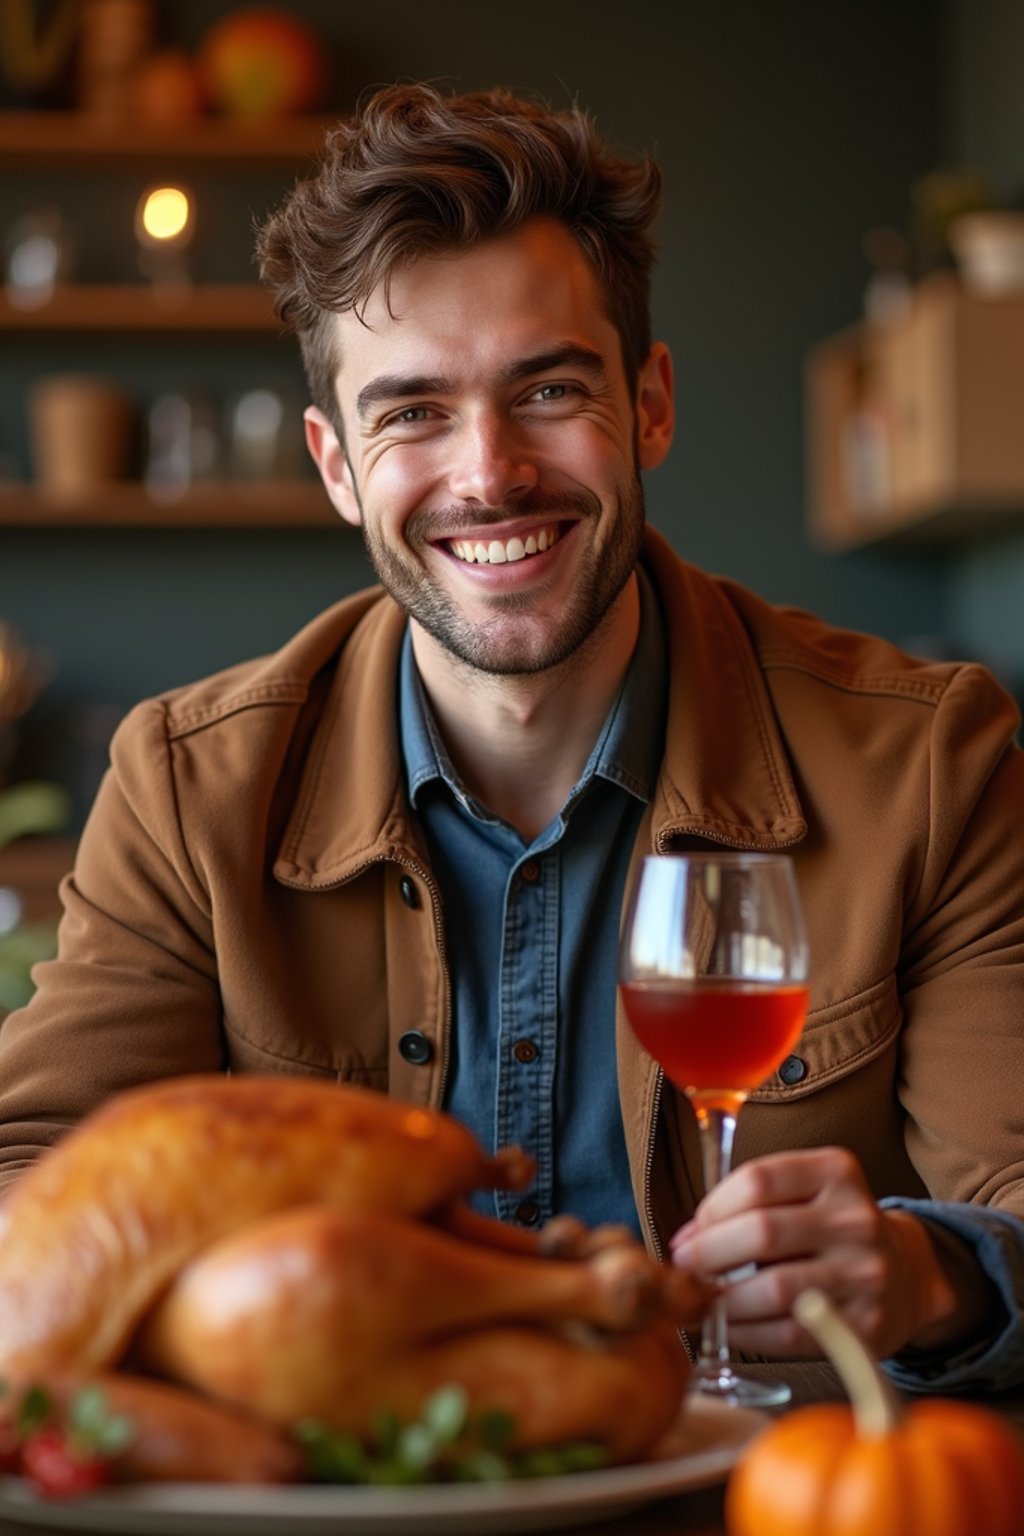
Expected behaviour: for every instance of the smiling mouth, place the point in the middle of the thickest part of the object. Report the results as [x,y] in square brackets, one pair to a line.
[504,551]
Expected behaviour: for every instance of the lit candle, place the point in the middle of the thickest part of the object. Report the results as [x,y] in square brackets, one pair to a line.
[164,225]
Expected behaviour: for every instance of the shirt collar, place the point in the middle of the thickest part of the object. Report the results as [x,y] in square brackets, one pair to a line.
[627,752]
[726,773]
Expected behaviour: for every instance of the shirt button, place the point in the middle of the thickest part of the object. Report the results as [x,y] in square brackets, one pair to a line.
[793,1070]
[529,874]
[525,1051]
[410,895]
[528,1213]
[414,1046]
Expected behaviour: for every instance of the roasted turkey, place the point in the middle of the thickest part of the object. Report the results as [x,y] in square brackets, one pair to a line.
[228,1256]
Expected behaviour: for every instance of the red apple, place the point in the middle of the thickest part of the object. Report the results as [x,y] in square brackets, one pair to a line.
[262,62]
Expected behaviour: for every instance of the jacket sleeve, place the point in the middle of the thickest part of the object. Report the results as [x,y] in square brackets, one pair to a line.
[994,1363]
[133,993]
[962,958]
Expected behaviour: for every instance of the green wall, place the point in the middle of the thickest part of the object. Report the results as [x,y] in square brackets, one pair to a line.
[984,74]
[785,129]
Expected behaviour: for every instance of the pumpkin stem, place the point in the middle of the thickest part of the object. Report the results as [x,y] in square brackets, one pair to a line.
[876,1407]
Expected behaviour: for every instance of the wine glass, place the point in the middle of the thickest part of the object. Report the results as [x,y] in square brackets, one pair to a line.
[713,975]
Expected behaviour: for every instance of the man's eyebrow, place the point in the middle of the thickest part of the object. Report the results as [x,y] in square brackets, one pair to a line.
[569,355]
[400,386]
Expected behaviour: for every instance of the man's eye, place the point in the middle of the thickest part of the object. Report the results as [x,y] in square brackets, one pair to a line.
[408,416]
[554,394]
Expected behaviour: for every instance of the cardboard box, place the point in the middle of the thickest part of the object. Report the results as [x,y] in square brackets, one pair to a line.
[916,429]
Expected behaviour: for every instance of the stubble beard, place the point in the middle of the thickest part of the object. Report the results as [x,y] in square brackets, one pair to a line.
[511,644]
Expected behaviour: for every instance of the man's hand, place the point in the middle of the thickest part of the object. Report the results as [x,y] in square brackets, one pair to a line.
[808,1218]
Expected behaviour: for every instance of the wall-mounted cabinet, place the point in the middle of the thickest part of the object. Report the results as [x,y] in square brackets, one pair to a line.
[916,428]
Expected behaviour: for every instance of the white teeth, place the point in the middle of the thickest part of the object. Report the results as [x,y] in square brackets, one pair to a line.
[498,553]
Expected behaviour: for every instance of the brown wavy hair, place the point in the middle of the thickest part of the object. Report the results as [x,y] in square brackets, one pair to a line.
[416,173]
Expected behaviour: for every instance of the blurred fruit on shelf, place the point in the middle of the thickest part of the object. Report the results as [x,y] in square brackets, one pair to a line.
[167,89]
[262,62]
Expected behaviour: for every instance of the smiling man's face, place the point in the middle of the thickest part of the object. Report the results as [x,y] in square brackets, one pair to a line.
[492,447]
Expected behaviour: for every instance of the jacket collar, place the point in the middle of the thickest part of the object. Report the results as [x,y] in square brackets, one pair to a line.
[726,774]
[725,777]
[351,810]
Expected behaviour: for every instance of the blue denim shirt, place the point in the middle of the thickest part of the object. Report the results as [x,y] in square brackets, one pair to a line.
[532,934]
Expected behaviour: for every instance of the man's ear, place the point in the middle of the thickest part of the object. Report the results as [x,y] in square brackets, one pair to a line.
[655,407]
[332,462]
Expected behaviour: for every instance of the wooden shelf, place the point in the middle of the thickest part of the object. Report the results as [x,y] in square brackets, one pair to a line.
[79,142]
[266,504]
[33,140]
[225,308]
[34,867]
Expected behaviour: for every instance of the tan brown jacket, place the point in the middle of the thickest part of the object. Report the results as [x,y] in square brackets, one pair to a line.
[253,892]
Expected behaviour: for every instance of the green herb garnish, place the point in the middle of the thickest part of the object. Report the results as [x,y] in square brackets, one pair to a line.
[445,1444]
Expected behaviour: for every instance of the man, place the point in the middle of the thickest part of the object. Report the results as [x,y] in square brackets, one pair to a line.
[395,853]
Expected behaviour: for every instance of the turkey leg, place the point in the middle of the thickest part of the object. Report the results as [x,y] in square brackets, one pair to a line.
[311,1312]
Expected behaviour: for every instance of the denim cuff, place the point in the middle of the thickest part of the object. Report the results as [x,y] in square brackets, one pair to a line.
[995,1362]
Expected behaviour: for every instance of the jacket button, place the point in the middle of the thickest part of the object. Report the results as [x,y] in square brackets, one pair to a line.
[407,888]
[793,1070]
[414,1046]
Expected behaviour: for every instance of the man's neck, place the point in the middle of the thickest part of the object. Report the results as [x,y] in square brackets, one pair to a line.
[520,743]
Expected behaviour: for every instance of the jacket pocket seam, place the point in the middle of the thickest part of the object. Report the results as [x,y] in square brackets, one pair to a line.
[914,689]
[341,1073]
[786,1093]
[267,693]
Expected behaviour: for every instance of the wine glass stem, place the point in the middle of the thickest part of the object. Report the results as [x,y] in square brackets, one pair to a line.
[717,1128]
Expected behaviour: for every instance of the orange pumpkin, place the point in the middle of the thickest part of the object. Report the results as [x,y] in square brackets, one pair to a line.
[936,1468]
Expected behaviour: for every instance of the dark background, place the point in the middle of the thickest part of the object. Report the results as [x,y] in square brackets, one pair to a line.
[785,128]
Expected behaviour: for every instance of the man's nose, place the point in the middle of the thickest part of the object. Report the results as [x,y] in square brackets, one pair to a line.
[491,463]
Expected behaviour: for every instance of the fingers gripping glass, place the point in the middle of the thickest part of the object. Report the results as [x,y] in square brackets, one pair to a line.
[713,974]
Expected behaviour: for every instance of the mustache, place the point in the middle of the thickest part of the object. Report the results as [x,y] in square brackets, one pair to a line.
[444,522]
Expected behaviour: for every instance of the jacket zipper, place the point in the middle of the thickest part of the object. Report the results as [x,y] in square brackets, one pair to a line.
[652,1231]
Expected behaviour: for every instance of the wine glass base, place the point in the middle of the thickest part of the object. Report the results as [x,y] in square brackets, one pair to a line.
[722,1382]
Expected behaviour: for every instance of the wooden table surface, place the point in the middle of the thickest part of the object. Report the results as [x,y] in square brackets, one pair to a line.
[699,1513]
[696,1513]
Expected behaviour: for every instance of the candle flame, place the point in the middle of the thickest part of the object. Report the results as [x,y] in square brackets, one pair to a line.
[166,213]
